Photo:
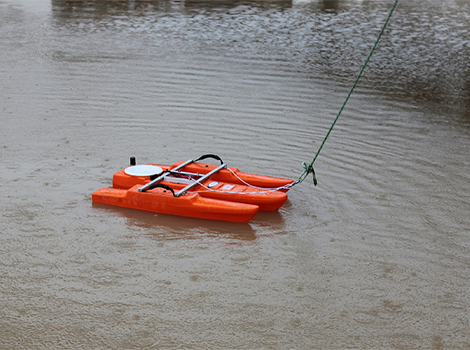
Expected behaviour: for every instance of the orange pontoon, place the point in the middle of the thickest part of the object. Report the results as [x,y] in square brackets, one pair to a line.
[126,179]
[160,200]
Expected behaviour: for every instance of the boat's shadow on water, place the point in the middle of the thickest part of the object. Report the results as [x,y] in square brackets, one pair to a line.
[173,227]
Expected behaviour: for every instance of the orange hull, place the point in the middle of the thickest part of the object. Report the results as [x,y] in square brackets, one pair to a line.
[190,205]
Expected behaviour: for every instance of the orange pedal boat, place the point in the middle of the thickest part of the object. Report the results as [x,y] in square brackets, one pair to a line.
[217,188]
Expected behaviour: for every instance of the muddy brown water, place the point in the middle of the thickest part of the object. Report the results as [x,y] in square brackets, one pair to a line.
[376,256]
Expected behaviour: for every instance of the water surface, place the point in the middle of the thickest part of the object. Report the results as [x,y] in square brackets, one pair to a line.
[375,256]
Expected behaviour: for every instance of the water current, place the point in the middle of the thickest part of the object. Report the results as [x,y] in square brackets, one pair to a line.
[377,256]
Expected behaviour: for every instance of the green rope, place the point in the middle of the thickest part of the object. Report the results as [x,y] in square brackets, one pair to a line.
[308,168]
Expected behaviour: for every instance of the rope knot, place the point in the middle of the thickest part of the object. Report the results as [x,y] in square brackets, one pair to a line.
[308,169]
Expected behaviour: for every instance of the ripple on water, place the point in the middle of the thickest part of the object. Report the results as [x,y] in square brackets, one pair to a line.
[376,255]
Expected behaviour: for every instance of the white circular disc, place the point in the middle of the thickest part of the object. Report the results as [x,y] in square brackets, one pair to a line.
[143,170]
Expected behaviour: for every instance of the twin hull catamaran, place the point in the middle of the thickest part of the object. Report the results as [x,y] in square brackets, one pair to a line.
[192,189]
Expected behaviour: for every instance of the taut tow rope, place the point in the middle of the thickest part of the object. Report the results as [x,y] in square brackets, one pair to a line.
[308,168]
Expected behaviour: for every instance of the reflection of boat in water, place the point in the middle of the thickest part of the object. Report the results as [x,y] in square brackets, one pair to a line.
[162,226]
[195,190]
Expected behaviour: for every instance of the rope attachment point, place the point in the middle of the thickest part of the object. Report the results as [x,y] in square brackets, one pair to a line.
[308,169]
